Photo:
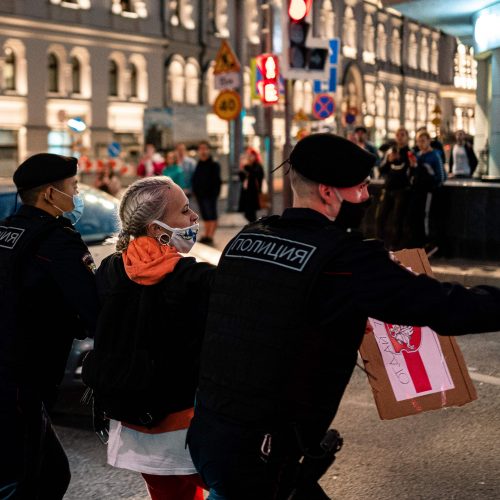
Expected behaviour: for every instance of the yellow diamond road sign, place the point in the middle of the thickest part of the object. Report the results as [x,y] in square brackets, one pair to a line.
[226,60]
[227,105]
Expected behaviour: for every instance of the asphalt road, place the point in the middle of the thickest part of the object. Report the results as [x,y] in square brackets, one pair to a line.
[445,454]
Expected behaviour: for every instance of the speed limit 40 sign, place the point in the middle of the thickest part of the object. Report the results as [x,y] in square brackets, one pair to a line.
[227,105]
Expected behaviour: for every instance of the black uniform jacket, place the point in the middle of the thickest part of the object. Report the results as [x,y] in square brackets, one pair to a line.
[57,302]
[360,281]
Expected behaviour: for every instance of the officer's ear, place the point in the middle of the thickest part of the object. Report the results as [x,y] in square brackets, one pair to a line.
[326,193]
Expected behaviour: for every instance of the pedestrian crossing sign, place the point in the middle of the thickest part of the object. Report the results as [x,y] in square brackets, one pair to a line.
[226,60]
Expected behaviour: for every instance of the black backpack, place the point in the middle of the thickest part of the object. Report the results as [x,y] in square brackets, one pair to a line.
[121,370]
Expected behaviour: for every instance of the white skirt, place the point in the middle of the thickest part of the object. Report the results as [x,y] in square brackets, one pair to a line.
[162,454]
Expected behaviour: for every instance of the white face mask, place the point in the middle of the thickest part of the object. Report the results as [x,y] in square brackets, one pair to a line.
[182,239]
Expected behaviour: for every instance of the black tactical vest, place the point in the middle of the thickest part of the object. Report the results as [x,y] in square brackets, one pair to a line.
[260,339]
[20,236]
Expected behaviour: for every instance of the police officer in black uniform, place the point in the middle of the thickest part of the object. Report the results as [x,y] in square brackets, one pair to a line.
[48,299]
[287,315]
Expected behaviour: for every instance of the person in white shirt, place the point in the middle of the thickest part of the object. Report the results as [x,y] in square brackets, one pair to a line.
[463,160]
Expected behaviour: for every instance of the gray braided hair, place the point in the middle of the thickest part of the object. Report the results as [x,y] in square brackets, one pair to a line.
[143,201]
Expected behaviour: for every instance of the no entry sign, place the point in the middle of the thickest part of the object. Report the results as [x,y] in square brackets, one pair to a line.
[323,106]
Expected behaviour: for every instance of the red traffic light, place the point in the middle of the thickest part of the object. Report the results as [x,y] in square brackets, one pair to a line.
[269,87]
[298,9]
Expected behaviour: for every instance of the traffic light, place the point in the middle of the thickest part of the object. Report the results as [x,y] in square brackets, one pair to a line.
[269,85]
[303,55]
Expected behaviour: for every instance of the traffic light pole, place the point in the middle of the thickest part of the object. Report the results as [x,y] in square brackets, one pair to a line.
[268,110]
[287,148]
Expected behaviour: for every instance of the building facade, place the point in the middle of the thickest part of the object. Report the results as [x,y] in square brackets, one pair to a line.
[78,75]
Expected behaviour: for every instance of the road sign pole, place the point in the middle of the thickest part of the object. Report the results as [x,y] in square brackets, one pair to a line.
[236,126]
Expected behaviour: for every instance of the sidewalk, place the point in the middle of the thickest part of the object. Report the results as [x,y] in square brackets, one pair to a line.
[466,272]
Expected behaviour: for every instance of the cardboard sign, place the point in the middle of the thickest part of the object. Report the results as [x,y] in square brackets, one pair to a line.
[412,369]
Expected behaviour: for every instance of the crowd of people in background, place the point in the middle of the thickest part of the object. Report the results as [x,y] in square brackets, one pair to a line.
[412,178]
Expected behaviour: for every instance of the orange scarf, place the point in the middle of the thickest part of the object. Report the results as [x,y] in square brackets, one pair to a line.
[147,262]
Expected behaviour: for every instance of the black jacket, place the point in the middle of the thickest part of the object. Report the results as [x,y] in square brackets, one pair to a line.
[359,281]
[206,180]
[471,157]
[172,321]
[56,302]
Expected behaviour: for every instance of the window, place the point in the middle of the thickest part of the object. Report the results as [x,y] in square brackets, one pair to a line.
[221,18]
[130,8]
[412,50]
[113,78]
[176,82]
[53,73]
[410,111]
[370,98]
[381,42]
[76,75]
[327,20]
[192,75]
[210,91]
[434,57]
[133,80]
[9,70]
[424,54]
[394,110]
[465,68]
[252,20]
[186,14]
[369,35]
[380,103]
[350,27]
[396,47]
[421,110]
[72,4]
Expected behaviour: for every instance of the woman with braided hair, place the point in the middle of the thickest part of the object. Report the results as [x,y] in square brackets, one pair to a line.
[157,225]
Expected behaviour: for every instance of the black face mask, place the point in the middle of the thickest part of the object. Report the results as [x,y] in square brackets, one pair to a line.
[351,215]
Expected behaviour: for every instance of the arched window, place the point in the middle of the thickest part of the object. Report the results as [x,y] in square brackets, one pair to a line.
[133,80]
[434,57]
[53,73]
[412,50]
[421,110]
[76,75]
[221,18]
[350,27]
[394,105]
[410,113]
[113,78]
[381,42]
[327,20]
[380,103]
[396,47]
[252,21]
[176,81]
[186,14]
[369,34]
[9,70]
[192,75]
[210,90]
[424,54]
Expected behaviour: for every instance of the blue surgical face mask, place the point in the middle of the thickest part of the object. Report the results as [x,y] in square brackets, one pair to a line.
[76,214]
[182,239]
[78,205]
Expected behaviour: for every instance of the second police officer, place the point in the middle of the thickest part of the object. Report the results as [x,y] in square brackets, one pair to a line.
[48,299]
[287,315]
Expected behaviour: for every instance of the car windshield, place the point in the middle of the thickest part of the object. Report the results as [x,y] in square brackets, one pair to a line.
[100,216]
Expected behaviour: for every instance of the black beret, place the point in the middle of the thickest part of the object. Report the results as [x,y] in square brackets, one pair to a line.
[44,168]
[332,160]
